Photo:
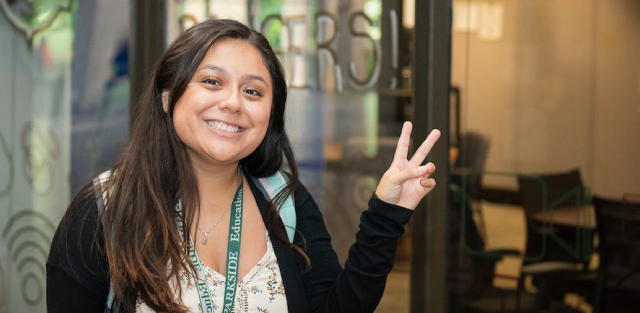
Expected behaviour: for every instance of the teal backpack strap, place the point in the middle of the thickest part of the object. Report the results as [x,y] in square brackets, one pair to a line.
[270,186]
[101,196]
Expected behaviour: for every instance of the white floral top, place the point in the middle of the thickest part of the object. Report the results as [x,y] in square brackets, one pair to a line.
[260,291]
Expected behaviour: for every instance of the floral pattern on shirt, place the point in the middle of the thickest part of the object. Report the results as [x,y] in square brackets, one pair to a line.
[275,286]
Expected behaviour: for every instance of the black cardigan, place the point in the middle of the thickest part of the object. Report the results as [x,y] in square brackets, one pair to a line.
[78,279]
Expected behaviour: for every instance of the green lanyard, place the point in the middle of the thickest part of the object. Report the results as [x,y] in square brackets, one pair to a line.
[233,251]
[233,258]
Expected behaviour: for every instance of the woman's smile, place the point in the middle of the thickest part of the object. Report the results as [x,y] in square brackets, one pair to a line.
[224,127]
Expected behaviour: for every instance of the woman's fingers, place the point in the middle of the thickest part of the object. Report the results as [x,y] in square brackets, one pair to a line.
[424,148]
[428,183]
[422,172]
[403,144]
[406,187]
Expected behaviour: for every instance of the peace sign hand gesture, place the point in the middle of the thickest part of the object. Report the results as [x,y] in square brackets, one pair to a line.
[405,183]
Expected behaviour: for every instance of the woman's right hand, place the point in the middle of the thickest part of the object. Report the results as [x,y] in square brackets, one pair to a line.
[405,183]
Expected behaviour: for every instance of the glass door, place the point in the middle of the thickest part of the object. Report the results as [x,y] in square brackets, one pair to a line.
[548,109]
[348,66]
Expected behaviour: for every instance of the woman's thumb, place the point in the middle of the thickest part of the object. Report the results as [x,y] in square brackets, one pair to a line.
[410,173]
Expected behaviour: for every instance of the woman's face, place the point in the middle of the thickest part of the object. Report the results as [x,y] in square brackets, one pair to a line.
[223,114]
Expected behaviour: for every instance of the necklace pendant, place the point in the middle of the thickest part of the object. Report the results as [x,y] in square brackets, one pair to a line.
[204,240]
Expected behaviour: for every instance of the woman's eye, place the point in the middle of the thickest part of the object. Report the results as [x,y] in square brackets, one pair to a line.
[211,81]
[253,92]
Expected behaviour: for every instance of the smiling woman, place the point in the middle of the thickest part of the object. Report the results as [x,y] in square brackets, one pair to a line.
[212,123]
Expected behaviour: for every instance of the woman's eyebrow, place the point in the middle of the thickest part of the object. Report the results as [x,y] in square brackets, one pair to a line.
[226,71]
[255,77]
[216,68]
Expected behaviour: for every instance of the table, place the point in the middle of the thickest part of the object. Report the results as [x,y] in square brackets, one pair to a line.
[584,216]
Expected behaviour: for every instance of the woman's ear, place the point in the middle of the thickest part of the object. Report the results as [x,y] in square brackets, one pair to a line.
[165,100]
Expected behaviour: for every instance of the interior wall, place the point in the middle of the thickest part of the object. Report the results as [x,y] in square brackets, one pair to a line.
[559,90]
[487,74]
[616,124]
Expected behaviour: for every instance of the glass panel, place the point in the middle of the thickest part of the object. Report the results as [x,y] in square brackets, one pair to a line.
[548,93]
[64,97]
[348,67]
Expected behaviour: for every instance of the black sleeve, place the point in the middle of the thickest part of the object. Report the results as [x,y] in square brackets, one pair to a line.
[77,268]
[359,287]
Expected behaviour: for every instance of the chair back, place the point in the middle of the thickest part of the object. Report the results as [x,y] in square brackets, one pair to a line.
[550,191]
[619,232]
[618,222]
[473,151]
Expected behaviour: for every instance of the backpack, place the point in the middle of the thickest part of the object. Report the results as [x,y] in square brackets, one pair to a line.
[269,186]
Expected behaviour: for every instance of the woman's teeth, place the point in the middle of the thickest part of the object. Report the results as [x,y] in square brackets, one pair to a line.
[223,127]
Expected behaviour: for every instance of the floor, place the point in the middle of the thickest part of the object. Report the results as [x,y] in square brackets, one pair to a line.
[396,295]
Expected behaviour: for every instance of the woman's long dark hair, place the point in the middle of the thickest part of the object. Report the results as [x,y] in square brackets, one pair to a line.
[156,171]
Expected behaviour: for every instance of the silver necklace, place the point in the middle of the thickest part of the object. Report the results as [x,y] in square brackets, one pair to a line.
[204,239]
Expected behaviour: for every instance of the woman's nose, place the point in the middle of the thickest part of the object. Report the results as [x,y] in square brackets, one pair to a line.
[232,102]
